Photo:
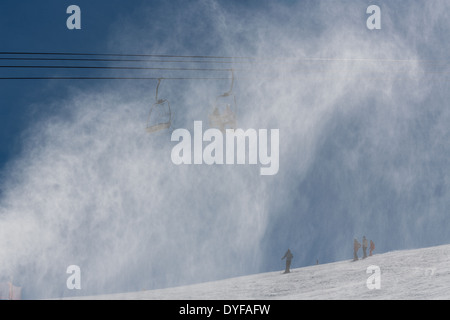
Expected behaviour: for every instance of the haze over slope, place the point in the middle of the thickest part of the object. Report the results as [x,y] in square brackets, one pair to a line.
[406,274]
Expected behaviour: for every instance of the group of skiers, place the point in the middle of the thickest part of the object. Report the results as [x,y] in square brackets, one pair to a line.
[357,245]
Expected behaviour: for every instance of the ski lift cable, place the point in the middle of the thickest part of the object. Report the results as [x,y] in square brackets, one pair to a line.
[234,58]
[305,72]
[119,60]
[209,62]
[194,77]
[205,69]
[112,78]
[122,55]
[60,77]
[31,56]
[109,67]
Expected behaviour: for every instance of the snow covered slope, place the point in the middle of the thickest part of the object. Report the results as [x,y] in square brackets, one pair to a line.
[407,274]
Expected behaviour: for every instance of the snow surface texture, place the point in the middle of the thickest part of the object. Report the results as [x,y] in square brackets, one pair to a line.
[406,274]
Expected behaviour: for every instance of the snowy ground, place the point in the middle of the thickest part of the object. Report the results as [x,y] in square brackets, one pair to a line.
[408,274]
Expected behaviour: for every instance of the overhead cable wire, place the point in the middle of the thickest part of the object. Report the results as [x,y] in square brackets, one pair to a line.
[34,56]
[328,77]
[121,55]
[223,57]
[111,67]
[119,60]
[301,71]
[199,69]
[113,78]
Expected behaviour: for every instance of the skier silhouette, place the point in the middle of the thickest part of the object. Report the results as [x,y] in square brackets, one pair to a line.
[356,246]
[288,256]
[372,247]
[364,245]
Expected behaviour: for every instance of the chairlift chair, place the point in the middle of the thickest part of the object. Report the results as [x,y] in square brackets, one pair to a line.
[224,117]
[163,120]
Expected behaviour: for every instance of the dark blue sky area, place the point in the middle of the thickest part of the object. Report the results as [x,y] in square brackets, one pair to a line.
[40,26]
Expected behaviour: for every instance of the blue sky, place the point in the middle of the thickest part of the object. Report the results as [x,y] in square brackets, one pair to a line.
[363,122]
[31,26]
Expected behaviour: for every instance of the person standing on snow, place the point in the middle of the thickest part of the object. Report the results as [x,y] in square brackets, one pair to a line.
[372,247]
[356,246]
[288,256]
[364,245]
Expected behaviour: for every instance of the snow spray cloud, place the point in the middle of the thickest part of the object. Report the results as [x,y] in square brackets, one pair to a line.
[100,193]
[92,189]
[374,139]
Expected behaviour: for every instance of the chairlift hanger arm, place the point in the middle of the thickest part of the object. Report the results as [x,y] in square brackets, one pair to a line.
[157,88]
[229,92]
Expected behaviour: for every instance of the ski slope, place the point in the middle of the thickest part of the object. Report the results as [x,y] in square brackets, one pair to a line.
[407,274]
